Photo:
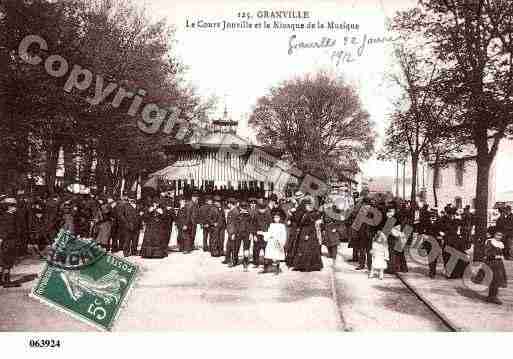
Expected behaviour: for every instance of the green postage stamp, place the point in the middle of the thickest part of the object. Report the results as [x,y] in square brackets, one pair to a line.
[93,292]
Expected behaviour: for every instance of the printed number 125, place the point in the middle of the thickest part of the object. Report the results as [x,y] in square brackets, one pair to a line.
[244,15]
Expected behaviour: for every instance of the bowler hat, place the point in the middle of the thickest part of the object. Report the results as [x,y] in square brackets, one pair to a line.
[307,201]
[261,206]
[9,200]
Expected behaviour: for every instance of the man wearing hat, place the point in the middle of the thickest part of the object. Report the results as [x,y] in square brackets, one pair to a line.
[184,226]
[126,219]
[130,212]
[9,235]
[252,213]
[261,222]
[433,228]
[219,228]
[231,228]
[193,208]
[210,217]
[205,213]
[38,235]
[504,224]
[244,226]
[23,213]
[449,229]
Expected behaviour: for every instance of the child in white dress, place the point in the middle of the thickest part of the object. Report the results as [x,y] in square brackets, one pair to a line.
[379,254]
[276,236]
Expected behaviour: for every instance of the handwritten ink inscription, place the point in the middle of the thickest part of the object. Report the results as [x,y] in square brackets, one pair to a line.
[351,47]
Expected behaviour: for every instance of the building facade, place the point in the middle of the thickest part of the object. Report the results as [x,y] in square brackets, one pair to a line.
[455,183]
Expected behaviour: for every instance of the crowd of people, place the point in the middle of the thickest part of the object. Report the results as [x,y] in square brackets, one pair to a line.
[381,247]
[270,231]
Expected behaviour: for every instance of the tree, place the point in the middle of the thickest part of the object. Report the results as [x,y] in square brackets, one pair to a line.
[319,123]
[472,39]
[113,39]
[419,116]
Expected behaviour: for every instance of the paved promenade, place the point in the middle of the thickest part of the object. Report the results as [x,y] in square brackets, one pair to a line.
[463,307]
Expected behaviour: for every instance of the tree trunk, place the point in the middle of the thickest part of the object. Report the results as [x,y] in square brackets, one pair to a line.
[481,213]
[86,166]
[52,155]
[436,173]
[70,164]
[435,196]
[413,195]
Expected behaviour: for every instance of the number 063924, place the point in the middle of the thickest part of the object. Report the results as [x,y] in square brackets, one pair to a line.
[44,343]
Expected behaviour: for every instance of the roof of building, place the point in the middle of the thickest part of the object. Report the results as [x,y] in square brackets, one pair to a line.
[218,140]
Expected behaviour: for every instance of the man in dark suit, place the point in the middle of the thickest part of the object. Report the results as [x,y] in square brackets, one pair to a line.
[508,234]
[193,208]
[261,222]
[232,217]
[219,224]
[208,217]
[128,225]
[184,226]
[244,226]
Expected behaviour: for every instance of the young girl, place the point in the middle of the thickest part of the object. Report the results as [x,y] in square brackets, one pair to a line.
[379,254]
[275,237]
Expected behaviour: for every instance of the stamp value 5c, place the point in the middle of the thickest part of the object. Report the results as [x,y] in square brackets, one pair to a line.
[93,293]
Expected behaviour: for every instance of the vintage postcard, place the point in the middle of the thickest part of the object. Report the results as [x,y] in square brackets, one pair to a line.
[233,166]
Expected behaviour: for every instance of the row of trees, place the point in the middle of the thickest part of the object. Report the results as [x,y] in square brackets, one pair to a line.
[456,76]
[111,38]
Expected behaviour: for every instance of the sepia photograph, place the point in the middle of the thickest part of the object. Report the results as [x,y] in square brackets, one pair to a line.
[255,167]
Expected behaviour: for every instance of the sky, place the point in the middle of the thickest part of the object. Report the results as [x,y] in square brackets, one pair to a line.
[239,66]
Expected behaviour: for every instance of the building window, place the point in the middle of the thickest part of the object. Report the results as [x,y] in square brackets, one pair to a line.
[460,169]
[437,177]
[459,203]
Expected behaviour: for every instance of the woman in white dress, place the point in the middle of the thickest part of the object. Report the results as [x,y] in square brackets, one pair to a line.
[275,237]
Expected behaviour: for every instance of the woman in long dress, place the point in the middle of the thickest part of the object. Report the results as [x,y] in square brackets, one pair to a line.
[494,254]
[156,233]
[308,254]
[294,216]
[103,226]
[396,244]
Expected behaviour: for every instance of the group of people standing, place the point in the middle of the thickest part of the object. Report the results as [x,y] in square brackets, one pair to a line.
[381,246]
[375,247]
[269,231]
